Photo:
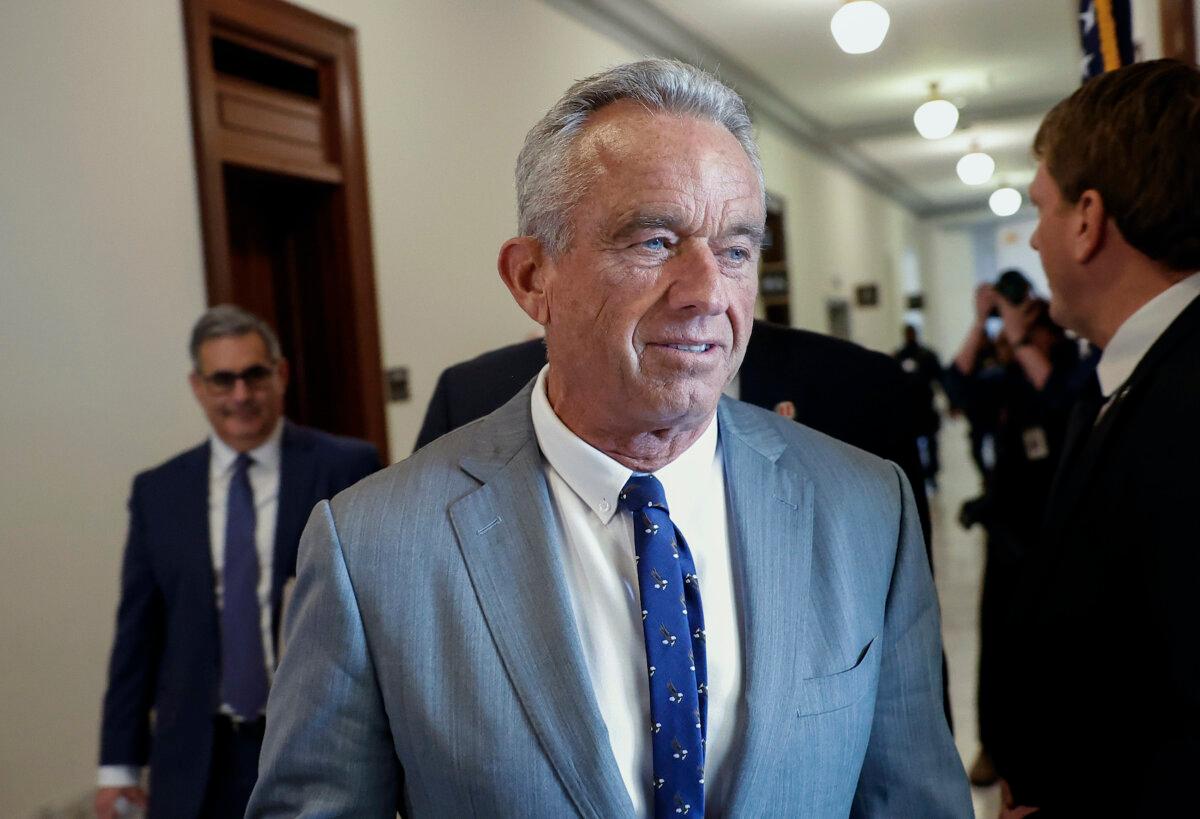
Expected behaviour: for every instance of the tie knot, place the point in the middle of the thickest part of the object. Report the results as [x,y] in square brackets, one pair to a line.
[642,491]
[243,462]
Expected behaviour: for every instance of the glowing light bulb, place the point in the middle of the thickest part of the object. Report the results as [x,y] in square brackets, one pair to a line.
[936,119]
[1005,201]
[976,168]
[860,26]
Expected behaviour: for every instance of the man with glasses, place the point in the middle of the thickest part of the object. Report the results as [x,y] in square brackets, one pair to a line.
[212,543]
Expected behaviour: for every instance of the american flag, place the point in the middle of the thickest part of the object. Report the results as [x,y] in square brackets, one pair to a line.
[1106,32]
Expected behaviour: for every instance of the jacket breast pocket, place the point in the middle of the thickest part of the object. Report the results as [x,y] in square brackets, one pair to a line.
[819,695]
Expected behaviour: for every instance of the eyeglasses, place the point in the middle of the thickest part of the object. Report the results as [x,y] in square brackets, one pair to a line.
[223,381]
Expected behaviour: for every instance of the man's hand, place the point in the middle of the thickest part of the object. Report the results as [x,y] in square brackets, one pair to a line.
[1007,809]
[108,801]
[985,300]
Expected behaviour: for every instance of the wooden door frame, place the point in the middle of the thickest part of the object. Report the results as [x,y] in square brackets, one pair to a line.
[334,46]
[1177,24]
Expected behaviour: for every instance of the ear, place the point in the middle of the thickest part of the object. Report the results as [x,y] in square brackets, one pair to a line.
[525,269]
[1091,226]
[197,385]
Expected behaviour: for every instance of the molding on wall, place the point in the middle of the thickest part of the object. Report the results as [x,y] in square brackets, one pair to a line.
[644,28]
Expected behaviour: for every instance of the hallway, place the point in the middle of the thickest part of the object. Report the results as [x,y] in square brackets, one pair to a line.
[958,558]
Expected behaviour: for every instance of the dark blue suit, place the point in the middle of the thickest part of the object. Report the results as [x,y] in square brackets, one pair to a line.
[166,652]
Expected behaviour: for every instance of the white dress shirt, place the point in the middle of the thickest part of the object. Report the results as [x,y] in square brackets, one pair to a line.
[1137,334]
[264,482]
[602,579]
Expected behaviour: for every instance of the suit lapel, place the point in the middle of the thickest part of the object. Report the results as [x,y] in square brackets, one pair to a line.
[192,519]
[509,537]
[772,514]
[194,546]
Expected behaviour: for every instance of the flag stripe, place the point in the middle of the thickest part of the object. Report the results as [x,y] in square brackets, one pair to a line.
[1109,49]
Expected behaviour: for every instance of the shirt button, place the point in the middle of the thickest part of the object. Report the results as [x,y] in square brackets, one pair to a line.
[605,506]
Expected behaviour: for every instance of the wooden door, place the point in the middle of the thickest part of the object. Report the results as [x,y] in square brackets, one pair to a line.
[282,180]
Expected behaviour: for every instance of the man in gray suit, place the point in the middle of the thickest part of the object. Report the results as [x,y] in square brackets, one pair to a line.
[620,594]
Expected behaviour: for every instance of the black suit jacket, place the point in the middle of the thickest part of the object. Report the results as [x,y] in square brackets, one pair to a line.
[838,388]
[166,652]
[1108,698]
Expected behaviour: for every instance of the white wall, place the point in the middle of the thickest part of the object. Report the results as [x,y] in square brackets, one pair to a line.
[1013,250]
[950,257]
[1146,28]
[839,234]
[101,276]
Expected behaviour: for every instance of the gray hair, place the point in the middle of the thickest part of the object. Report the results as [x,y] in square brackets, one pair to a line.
[549,184]
[230,320]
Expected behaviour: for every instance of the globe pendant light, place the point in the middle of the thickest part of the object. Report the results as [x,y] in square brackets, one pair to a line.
[1005,201]
[859,26]
[976,167]
[936,118]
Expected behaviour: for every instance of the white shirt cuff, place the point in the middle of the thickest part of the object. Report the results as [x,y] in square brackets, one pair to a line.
[119,776]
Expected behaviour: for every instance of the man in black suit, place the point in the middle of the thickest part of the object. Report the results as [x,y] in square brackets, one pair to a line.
[1107,685]
[833,386]
[212,542]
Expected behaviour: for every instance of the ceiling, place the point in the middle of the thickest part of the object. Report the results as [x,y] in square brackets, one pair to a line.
[1003,63]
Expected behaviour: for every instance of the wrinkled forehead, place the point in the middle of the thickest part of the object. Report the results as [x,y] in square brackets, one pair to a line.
[630,132]
[627,152]
[233,351]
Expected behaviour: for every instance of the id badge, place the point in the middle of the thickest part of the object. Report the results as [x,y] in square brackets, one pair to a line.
[1036,446]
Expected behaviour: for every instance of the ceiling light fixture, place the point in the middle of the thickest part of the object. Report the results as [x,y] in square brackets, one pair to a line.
[976,168]
[936,118]
[1005,201]
[859,26]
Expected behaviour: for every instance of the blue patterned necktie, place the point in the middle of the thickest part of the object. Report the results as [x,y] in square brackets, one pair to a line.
[673,624]
[243,666]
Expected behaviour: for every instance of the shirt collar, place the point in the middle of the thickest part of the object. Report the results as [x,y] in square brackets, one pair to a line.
[1139,332]
[598,479]
[265,454]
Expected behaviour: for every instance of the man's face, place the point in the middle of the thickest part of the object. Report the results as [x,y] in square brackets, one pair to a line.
[649,311]
[242,414]
[1051,239]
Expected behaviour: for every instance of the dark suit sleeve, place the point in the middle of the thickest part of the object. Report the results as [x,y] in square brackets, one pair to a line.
[900,444]
[1162,524]
[437,416]
[137,649]
[367,462]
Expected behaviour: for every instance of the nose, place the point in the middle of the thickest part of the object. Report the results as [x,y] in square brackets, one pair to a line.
[1033,240]
[240,390]
[698,285]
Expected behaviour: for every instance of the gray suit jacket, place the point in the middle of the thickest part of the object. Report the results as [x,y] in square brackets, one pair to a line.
[434,667]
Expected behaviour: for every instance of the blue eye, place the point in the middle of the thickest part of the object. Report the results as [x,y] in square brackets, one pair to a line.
[739,254]
[657,243]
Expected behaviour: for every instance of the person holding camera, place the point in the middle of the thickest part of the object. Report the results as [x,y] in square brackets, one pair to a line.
[1033,394]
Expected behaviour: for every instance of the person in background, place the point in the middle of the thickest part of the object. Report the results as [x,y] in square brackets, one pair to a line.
[621,594]
[212,542]
[1106,686]
[1033,397]
[923,377]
